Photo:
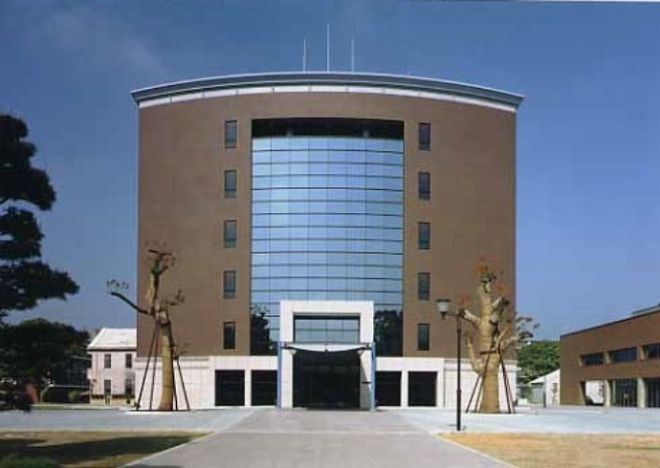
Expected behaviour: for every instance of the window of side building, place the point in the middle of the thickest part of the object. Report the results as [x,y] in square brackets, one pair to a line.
[107,361]
[652,351]
[230,184]
[229,285]
[129,360]
[424,236]
[424,185]
[423,286]
[231,134]
[229,335]
[623,355]
[594,359]
[230,234]
[425,136]
[423,337]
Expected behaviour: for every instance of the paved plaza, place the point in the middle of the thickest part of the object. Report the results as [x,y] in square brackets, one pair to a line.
[270,438]
[567,420]
[319,439]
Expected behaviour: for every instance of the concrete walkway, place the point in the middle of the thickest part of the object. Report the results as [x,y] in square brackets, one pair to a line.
[557,420]
[318,439]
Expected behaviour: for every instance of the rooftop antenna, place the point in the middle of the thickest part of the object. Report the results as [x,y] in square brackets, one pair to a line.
[304,57]
[327,48]
[352,55]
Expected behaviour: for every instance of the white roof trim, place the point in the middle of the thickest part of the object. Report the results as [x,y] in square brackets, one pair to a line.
[324,89]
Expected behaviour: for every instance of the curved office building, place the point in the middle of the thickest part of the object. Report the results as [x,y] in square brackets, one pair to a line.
[315,218]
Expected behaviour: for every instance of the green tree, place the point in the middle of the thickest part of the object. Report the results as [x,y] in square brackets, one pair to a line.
[24,278]
[34,351]
[536,359]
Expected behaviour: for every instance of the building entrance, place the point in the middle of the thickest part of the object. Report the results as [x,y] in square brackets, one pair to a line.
[326,379]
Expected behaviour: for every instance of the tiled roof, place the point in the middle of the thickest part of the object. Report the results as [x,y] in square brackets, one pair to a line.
[114,338]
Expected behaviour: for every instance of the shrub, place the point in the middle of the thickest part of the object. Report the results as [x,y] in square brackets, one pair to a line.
[12,397]
[77,396]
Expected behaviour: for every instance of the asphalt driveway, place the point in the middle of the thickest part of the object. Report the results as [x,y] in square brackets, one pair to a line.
[315,439]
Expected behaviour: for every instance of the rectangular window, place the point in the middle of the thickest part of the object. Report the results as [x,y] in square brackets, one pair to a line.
[264,388]
[388,388]
[423,337]
[652,392]
[624,392]
[424,236]
[128,387]
[423,286]
[107,361]
[107,387]
[230,184]
[229,285]
[425,136]
[230,234]
[594,359]
[229,335]
[422,388]
[309,329]
[623,355]
[231,133]
[652,351]
[424,185]
[128,361]
[229,388]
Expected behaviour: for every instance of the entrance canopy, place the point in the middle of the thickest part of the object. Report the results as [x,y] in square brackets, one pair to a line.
[327,347]
[326,354]
[361,313]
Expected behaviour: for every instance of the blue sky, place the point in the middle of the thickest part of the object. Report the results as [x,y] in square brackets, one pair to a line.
[588,131]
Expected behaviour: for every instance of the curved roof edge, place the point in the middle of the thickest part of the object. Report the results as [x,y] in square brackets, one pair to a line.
[328,78]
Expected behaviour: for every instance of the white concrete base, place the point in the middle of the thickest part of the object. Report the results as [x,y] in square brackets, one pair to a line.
[199,376]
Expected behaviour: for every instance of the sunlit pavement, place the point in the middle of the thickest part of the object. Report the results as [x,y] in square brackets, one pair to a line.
[571,420]
[344,439]
[270,438]
[121,420]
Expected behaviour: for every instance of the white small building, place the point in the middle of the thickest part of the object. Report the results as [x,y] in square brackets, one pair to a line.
[112,376]
[546,389]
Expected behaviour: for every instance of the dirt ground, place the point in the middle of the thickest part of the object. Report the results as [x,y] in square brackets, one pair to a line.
[89,449]
[567,450]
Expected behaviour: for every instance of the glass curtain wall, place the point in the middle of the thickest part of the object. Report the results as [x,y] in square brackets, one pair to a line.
[327,224]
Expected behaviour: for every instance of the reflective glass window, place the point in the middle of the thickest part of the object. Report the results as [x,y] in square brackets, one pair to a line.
[424,236]
[231,133]
[229,281]
[425,136]
[423,286]
[327,225]
[229,335]
[423,337]
[230,184]
[230,234]
[424,185]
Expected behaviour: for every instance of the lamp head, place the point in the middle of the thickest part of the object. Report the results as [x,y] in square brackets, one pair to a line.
[443,307]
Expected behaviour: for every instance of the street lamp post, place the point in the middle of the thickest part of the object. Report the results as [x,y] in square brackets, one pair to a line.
[443,309]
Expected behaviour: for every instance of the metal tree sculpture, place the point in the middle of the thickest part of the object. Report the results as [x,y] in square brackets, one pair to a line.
[160,261]
[497,329]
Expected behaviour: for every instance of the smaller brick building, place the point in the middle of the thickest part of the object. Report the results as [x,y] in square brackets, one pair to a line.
[621,357]
[111,376]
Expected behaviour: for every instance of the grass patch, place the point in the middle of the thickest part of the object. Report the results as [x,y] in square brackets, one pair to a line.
[574,450]
[15,461]
[84,449]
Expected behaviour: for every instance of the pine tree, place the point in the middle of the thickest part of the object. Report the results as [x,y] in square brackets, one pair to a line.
[24,278]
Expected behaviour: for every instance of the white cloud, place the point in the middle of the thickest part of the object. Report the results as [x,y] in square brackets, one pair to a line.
[101,38]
